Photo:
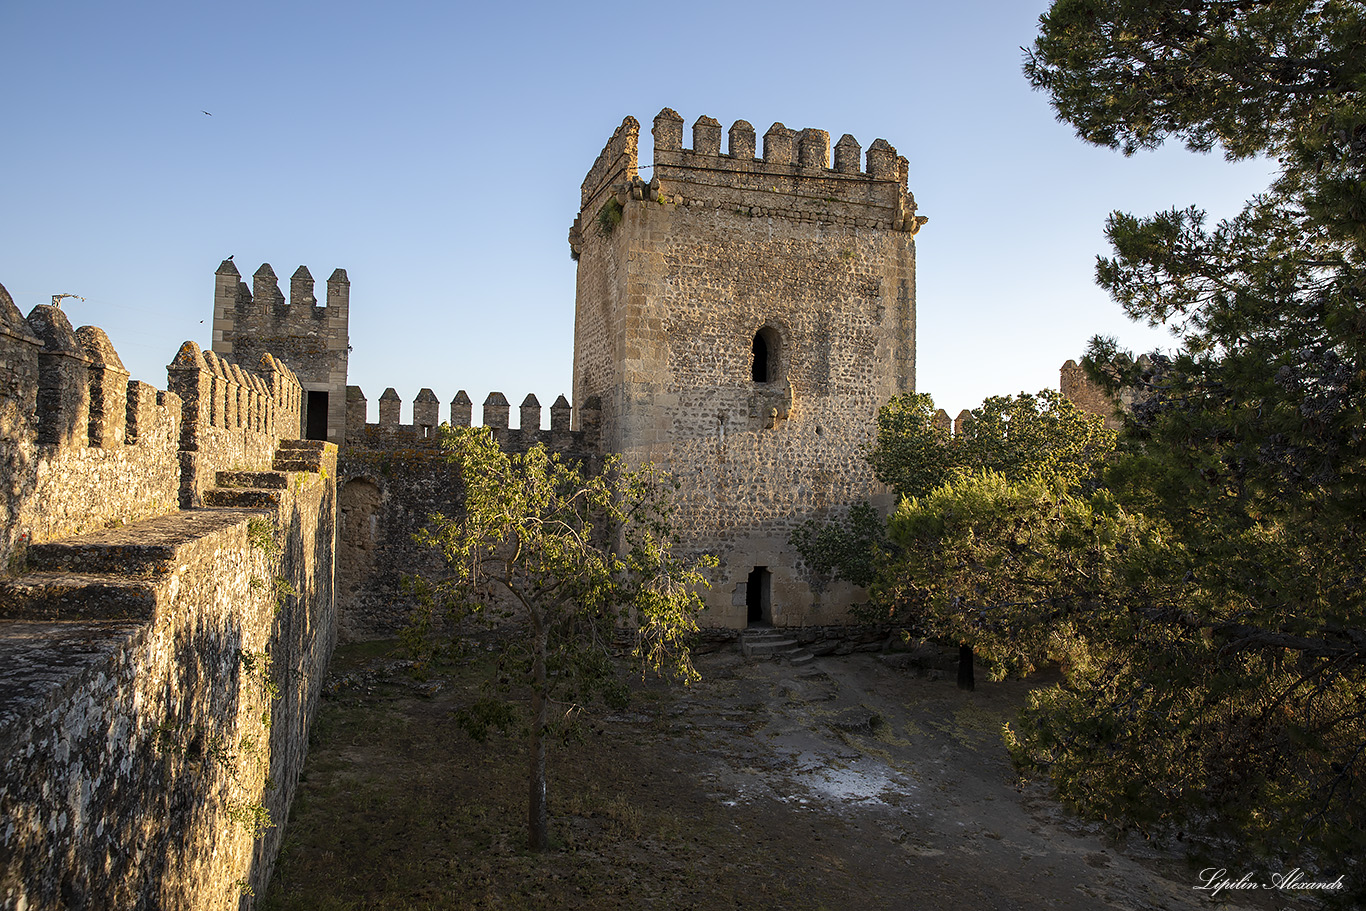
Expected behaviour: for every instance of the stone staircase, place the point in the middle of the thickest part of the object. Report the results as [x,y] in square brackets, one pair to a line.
[112,574]
[765,642]
[263,489]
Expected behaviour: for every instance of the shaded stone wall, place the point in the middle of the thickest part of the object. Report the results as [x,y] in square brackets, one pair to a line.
[158,683]
[159,666]
[1089,397]
[678,277]
[392,477]
[1077,387]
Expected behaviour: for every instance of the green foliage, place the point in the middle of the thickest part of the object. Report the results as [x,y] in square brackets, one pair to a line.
[609,216]
[485,715]
[1006,567]
[1041,435]
[261,536]
[254,817]
[256,667]
[1235,703]
[1251,76]
[571,562]
[911,455]
[1016,436]
[851,549]
[284,590]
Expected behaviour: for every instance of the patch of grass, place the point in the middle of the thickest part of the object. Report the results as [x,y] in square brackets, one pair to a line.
[261,536]
[609,216]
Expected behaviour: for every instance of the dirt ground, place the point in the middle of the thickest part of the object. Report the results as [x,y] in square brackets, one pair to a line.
[842,784]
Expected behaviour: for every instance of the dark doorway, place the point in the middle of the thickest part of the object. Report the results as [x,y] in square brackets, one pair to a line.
[757,596]
[316,423]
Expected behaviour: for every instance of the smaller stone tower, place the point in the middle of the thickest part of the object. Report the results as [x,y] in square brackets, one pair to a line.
[310,338]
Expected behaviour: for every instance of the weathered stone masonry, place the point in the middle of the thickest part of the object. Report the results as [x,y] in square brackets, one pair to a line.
[158,666]
[311,338]
[741,319]
[392,477]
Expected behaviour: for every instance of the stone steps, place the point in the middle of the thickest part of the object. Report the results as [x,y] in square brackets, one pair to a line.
[113,574]
[273,480]
[767,642]
[146,548]
[76,596]
[299,455]
[242,498]
[264,489]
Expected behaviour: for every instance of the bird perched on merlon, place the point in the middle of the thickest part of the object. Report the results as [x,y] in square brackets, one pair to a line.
[57,299]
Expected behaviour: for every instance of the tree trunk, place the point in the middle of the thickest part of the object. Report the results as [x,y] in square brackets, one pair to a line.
[965,679]
[537,818]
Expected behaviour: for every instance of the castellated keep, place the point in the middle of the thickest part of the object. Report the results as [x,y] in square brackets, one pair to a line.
[740,317]
[739,320]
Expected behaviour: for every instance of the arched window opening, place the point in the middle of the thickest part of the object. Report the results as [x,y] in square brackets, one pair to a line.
[764,364]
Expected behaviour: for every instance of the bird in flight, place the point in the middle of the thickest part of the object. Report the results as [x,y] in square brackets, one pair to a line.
[57,299]
[205,112]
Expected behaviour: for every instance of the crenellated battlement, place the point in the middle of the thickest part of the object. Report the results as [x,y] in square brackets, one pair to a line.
[83,445]
[313,338]
[496,414]
[218,393]
[616,163]
[792,176]
[263,304]
[72,391]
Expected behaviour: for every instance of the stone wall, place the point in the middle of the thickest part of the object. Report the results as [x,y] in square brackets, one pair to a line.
[1077,387]
[158,666]
[232,417]
[1081,391]
[392,477]
[158,683]
[684,280]
[83,447]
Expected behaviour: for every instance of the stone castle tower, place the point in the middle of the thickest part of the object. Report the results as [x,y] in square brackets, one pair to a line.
[311,338]
[739,320]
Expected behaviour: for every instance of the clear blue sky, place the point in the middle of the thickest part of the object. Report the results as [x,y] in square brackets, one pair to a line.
[435,151]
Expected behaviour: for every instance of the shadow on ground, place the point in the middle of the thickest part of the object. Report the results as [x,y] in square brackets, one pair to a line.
[844,784]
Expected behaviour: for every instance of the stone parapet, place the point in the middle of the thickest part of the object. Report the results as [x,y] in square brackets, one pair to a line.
[793,179]
[160,679]
[561,437]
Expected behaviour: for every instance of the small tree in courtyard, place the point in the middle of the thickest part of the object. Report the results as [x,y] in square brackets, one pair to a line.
[570,561]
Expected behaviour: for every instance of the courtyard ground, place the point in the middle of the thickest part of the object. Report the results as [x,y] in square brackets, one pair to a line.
[843,784]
